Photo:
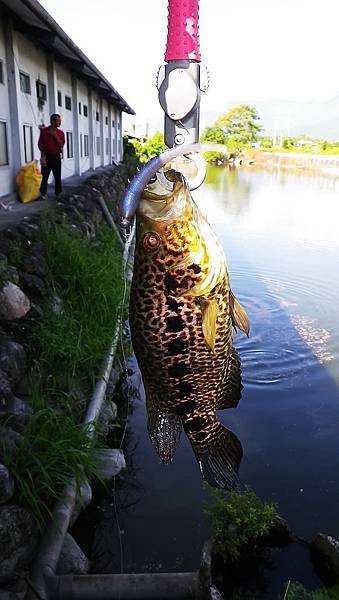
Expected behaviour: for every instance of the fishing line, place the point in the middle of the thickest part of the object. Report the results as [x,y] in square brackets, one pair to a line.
[125,372]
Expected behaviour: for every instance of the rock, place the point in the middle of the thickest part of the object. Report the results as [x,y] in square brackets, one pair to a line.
[34,265]
[72,559]
[278,536]
[110,462]
[83,499]
[10,440]
[5,390]
[213,593]
[6,485]
[13,275]
[29,231]
[33,285]
[113,379]
[325,557]
[57,305]
[16,412]
[14,304]
[18,540]
[12,360]
[107,417]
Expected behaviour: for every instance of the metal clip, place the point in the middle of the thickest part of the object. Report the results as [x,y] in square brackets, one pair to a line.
[194,183]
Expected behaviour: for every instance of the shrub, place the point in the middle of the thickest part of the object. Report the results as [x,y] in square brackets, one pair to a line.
[53,450]
[238,518]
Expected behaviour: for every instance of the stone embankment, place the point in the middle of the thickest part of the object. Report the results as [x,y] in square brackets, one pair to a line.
[23,291]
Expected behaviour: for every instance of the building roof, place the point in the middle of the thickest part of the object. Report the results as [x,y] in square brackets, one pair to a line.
[30,18]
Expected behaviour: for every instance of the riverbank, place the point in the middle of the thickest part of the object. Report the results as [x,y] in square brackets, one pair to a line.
[302,162]
[61,287]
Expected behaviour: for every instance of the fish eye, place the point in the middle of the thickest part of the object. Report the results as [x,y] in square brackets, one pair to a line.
[151,241]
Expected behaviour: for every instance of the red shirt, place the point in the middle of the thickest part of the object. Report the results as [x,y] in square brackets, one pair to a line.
[47,142]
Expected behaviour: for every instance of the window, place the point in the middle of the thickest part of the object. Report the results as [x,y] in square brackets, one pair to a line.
[118,124]
[41,90]
[3,144]
[69,144]
[86,145]
[114,148]
[59,98]
[81,154]
[79,108]
[68,102]
[1,72]
[25,83]
[98,146]
[85,110]
[113,123]
[28,143]
[107,146]
[106,120]
[97,116]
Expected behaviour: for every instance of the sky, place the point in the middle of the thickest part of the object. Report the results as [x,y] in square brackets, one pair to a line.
[254,50]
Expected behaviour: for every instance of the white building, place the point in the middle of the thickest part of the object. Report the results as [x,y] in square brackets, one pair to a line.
[43,72]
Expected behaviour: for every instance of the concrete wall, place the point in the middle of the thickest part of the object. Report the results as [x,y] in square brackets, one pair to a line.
[5,170]
[83,126]
[22,113]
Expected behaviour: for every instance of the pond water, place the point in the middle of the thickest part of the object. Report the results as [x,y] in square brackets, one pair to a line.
[280,233]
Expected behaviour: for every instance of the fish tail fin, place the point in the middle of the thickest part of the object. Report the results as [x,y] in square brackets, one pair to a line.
[219,459]
[164,429]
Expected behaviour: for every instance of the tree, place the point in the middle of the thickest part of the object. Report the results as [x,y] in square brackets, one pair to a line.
[214,135]
[239,126]
[145,150]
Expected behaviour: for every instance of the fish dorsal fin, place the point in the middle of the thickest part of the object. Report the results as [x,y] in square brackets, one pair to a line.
[238,315]
[209,310]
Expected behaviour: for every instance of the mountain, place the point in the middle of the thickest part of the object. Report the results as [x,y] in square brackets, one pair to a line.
[319,120]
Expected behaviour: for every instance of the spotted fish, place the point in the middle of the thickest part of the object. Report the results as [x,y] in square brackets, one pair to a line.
[181,315]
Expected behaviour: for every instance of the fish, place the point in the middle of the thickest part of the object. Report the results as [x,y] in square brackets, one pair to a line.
[182,313]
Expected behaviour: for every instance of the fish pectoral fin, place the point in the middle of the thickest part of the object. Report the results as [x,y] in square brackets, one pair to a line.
[164,429]
[238,315]
[220,458]
[209,313]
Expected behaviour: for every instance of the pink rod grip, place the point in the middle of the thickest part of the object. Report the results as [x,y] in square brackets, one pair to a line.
[183,24]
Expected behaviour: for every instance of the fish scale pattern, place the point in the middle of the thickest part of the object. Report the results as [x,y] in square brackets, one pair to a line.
[182,375]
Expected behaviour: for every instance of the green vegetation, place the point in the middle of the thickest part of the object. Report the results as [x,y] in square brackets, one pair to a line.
[302,144]
[238,518]
[66,349]
[74,336]
[146,149]
[54,449]
[296,591]
[15,253]
[238,128]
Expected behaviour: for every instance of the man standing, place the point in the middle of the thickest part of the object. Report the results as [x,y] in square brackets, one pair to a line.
[51,143]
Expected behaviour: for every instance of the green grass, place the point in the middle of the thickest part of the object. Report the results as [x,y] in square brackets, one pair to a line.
[237,518]
[296,591]
[66,350]
[89,282]
[53,450]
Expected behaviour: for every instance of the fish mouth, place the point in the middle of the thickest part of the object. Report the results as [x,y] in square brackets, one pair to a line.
[158,204]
